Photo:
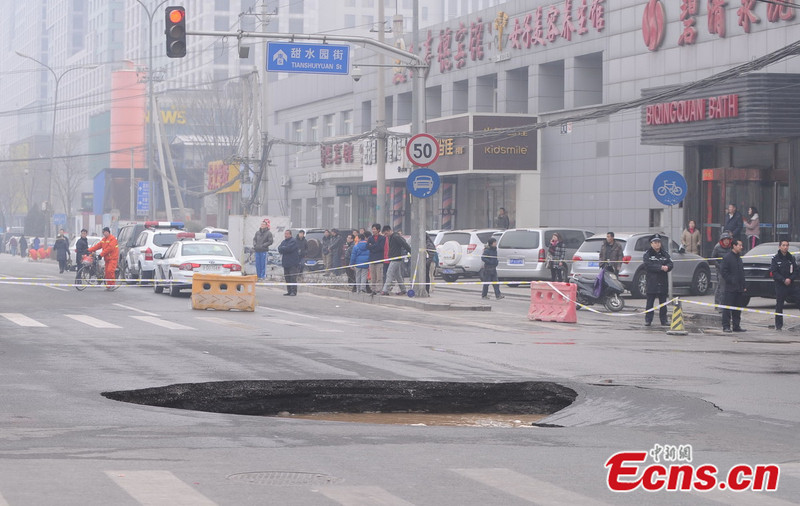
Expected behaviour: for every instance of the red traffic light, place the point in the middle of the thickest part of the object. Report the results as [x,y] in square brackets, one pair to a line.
[176,16]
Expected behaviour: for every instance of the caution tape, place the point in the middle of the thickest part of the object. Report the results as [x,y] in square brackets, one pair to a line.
[735,308]
[582,306]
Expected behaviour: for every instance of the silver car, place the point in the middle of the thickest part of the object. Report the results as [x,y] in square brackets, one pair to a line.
[522,252]
[689,270]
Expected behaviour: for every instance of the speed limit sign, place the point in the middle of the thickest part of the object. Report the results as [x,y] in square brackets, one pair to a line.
[422,150]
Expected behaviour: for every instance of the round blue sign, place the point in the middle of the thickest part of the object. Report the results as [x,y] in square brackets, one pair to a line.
[422,183]
[670,188]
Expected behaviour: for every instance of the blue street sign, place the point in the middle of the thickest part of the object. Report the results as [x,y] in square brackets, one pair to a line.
[143,198]
[670,188]
[423,182]
[308,58]
[60,219]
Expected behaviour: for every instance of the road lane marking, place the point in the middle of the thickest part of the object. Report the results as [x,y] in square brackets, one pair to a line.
[3,501]
[22,320]
[314,326]
[362,496]
[527,488]
[56,288]
[92,322]
[123,306]
[162,323]
[156,488]
[227,323]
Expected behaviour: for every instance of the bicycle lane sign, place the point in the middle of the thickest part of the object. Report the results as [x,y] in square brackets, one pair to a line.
[670,188]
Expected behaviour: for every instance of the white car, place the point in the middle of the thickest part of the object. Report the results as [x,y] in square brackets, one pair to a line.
[73,259]
[155,238]
[460,252]
[175,268]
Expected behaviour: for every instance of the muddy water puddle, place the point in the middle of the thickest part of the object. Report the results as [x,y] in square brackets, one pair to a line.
[427,419]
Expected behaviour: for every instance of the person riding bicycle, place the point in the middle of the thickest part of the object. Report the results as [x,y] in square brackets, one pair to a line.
[110,254]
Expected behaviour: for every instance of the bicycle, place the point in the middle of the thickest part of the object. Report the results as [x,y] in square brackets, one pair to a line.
[90,272]
[670,187]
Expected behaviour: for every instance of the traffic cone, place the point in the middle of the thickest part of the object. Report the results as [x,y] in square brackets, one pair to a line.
[677,329]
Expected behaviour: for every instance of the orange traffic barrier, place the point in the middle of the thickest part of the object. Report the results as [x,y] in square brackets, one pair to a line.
[34,254]
[547,305]
[43,253]
[214,291]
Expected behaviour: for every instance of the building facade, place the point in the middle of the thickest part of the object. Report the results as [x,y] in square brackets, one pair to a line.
[586,77]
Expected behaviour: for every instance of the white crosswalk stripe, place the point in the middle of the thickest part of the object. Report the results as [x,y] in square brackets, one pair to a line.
[526,487]
[316,326]
[227,323]
[3,501]
[162,323]
[92,322]
[22,320]
[362,496]
[158,488]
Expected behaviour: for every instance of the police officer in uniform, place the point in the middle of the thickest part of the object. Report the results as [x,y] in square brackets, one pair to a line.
[787,280]
[657,263]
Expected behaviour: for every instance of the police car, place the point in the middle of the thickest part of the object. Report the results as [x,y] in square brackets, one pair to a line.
[155,238]
[191,253]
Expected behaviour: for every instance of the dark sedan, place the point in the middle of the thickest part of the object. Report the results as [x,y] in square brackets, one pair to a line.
[756,262]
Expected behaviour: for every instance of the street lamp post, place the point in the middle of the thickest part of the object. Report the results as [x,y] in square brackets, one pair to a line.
[150,108]
[57,78]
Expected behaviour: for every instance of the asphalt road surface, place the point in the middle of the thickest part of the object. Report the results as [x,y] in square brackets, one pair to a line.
[732,398]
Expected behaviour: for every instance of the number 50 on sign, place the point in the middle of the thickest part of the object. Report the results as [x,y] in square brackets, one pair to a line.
[422,150]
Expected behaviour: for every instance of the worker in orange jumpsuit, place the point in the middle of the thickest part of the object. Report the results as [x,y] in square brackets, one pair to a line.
[110,254]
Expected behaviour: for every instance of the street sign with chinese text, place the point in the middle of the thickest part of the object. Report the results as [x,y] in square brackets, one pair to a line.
[143,198]
[308,58]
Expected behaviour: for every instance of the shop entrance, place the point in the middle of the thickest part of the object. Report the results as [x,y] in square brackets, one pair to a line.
[767,190]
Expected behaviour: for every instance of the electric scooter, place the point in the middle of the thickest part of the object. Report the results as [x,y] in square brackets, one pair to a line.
[607,293]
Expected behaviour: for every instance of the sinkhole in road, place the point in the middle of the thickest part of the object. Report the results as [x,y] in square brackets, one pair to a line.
[366,401]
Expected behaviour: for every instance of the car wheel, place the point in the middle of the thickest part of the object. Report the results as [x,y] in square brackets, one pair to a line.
[450,277]
[701,281]
[174,290]
[156,287]
[639,286]
[130,276]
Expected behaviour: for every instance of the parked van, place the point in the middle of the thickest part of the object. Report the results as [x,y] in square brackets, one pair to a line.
[522,252]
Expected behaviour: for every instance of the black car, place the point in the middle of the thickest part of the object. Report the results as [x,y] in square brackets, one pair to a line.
[757,261]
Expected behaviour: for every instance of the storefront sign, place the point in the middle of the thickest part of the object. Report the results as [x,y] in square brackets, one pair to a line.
[698,109]
[219,173]
[509,151]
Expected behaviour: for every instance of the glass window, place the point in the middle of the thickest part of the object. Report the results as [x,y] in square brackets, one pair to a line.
[574,238]
[221,5]
[753,156]
[330,129]
[460,237]
[485,236]
[347,122]
[519,239]
[296,7]
[164,239]
[313,130]
[209,249]
[296,25]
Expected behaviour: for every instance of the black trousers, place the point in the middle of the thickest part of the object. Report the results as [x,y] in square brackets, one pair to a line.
[290,274]
[662,311]
[735,299]
[781,293]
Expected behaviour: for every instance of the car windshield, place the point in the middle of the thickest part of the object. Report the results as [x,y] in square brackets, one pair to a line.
[770,249]
[519,239]
[462,238]
[217,250]
[164,239]
[594,245]
[485,236]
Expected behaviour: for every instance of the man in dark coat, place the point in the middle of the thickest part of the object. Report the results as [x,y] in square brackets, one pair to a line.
[290,259]
[657,263]
[720,250]
[336,248]
[787,280]
[262,240]
[81,249]
[302,248]
[61,248]
[733,273]
[611,254]
[375,245]
[734,222]
[23,247]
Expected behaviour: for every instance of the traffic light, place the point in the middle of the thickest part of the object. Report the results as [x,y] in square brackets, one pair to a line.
[176,32]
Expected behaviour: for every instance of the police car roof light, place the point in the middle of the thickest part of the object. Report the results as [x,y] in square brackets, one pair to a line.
[163,224]
[214,235]
[185,235]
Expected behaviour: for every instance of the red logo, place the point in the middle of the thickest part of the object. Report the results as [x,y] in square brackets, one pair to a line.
[653,25]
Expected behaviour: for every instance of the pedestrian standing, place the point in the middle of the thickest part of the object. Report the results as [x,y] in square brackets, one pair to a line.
[290,259]
[326,250]
[720,250]
[302,249]
[359,257]
[36,243]
[611,254]
[751,228]
[690,238]
[787,280]
[489,277]
[375,245]
[398,248]
[657,263]
[502,222]
[262,240]
[12,245]
[336,249]
[734,223]
[23,246]
[431,259]
[347,253]
[556,252]
[733,273]
[61,248]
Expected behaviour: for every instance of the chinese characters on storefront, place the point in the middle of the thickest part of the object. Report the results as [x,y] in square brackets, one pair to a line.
[656,17]
[219,173]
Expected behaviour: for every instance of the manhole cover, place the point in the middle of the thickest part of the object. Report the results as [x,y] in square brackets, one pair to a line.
[284,478]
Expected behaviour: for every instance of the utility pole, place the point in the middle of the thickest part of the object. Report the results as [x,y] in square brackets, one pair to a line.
[380,180]
[417,127]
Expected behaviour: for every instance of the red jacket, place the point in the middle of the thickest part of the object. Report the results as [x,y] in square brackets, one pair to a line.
[109,246]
